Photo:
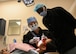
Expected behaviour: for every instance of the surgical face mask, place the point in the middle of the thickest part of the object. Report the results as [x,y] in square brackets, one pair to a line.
[44,13]
[34,26]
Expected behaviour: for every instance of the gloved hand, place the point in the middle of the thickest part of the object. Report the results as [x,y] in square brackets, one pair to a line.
[34,40]
[41,45]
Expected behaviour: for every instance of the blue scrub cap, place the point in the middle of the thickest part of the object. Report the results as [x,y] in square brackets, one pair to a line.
[38,6]
[31,19]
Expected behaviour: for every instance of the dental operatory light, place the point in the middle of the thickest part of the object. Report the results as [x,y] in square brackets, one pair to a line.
[28,3]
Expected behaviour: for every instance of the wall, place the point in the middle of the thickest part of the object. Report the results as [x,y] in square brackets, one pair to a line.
[12,10]
[2,45]
[73,9]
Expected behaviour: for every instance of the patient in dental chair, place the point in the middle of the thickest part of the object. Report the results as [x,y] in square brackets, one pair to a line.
[22,48]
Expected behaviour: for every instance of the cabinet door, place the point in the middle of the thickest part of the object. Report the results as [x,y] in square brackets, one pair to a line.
[2,27]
